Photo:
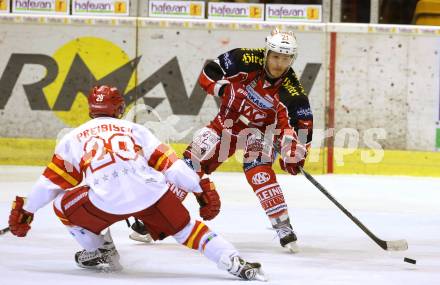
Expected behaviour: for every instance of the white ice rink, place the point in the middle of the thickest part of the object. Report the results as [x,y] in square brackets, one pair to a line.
[333,249]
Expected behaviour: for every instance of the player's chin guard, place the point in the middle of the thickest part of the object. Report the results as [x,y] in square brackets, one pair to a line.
[106,101]
[209,200]
[19,219]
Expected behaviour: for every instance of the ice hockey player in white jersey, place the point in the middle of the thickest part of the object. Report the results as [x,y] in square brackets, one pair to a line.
[108,170]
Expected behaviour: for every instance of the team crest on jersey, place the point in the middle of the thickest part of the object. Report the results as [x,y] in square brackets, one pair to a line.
[260,178]
[256,116]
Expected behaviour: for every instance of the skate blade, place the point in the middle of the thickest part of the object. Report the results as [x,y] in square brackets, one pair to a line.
[113,268]
[260,276]
[105,268]
[292,247]
[141,238]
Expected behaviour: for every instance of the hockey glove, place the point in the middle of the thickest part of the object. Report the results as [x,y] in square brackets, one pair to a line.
[19,219]
[208,200]
[293,155]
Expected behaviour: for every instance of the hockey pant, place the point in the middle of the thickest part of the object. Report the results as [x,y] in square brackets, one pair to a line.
[167,217]
[210,147]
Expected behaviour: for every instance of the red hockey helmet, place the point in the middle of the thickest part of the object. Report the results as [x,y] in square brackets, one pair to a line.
[104,101]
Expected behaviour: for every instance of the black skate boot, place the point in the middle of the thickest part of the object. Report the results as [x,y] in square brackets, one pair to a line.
[241,268]
[140,233]
[286,235]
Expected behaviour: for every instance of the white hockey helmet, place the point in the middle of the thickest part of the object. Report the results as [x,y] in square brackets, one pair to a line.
[282,42]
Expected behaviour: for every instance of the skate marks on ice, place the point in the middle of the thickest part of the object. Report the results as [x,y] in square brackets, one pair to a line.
[331,249]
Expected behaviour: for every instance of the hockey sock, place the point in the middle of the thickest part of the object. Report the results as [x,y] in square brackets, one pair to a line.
[263,181]
[196,235]
[88,240]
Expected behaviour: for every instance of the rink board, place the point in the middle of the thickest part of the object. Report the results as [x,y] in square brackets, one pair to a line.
[39,152]
[386,78]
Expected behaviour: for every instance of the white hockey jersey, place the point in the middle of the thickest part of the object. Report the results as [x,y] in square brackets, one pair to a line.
[126,167]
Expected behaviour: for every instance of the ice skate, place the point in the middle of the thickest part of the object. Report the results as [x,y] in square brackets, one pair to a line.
[100,260]
[141,238]
[110,246]
[287,236]
[241,268]
[140,233]
[105,258]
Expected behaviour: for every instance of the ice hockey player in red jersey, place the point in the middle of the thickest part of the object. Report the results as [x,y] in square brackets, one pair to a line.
[110,169]
[260,94]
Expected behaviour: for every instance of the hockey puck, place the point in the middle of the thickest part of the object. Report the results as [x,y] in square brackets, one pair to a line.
[409,260]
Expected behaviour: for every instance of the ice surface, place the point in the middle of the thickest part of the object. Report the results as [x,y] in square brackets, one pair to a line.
[333,249]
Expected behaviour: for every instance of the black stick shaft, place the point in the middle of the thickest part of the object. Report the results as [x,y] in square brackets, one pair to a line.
[321,188]
[5,230]
[383,244]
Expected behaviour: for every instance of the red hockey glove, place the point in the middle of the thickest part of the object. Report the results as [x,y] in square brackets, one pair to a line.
[208,200]
[293,155]
[19,219]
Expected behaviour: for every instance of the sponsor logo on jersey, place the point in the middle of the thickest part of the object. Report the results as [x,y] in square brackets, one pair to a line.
[289,86]
[252,58]
[227,60]
[257,99]
[75,200]
[260,178]
[268,98]
[150,180]
[304,112]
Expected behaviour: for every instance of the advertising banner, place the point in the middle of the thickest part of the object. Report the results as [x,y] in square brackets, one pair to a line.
[159,77]
[4,6]
[156,65]
[168,83]
[47,72]
[293,13]
[236,11]
[437,132]
[177,9]
[101,7]
[59,7]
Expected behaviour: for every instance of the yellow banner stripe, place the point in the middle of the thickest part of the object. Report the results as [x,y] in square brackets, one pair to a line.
[190,242]
[163,157]
[52,166]
[395,162]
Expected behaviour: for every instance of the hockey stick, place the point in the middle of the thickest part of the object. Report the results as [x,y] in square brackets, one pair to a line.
[393,245]
[5,230]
